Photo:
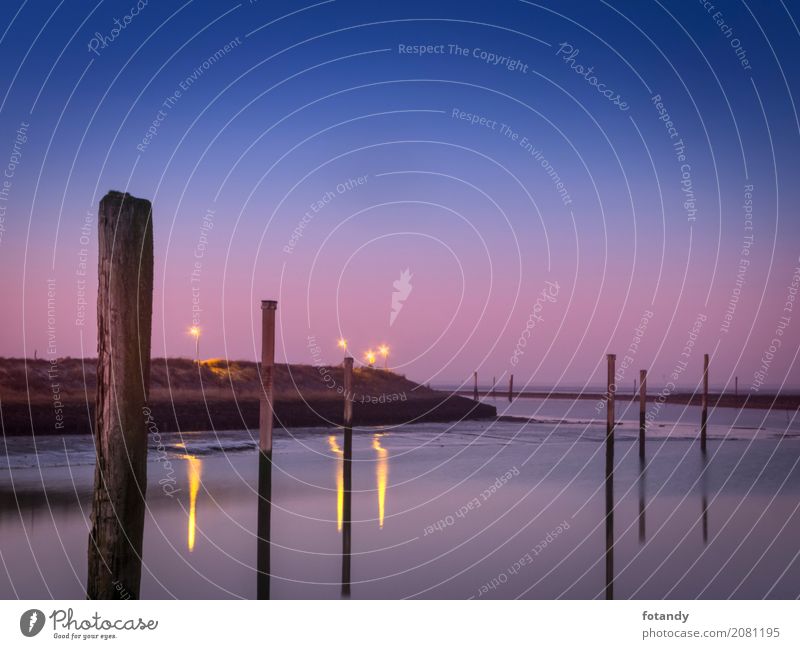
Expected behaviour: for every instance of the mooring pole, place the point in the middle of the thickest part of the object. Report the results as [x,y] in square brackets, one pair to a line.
[122,420]
[609,482]
[266,414]
[704,416]
[736,388]
[494,383]
[510,388]
[347,475]
[475,386]
[642,410]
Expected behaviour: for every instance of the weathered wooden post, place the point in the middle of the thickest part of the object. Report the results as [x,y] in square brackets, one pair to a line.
[704,416]
[124,319]
[266,414]
[494,384]
[609,482]
[510,388]
[475,386]
[347,475]
[611,392]
[642,410]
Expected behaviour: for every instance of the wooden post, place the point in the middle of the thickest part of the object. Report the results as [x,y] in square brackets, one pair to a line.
[642,410]
[494,383]
[736,389]
[347,475]
[704,416]
[609,482]
[510,388]
[268,308]
[610,396]
[124,320]
[475,386]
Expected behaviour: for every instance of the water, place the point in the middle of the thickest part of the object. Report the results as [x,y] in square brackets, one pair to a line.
[473,509]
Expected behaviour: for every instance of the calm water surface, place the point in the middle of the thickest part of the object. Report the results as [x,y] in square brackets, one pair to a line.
[474,509]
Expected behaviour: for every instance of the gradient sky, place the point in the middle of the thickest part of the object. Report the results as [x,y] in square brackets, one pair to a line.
[311,95]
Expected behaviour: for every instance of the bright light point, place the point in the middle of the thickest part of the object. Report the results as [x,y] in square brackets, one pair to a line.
[370,356]
[383,350]
[195,331]
[342,343]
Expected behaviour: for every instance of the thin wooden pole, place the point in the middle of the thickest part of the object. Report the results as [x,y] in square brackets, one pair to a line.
[704,416]
[642,410]
[475,386]
[494,384]
[610,397]
[347,475]
[124,320]
[510,388]
[736,388]
[266,414]
[609,482]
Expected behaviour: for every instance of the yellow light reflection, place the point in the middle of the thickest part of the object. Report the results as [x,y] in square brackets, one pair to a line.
[381,476]
[339,480]
[194,469]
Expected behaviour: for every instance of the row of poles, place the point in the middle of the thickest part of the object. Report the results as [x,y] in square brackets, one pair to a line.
[266,417]
[611,391]
[122,422]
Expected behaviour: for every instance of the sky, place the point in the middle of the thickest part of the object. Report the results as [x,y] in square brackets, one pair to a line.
[560,180]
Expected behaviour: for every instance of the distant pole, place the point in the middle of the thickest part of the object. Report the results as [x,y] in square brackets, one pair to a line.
[347,475]
[268,308]
[475,385]
[642,410]
[510,388]
[124,320]
[704,416]
[736,388]
[494,383]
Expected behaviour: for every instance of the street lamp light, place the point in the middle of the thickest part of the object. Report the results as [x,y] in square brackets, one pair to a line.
[342,344]
[195,331]
[370,356]
[383,350]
